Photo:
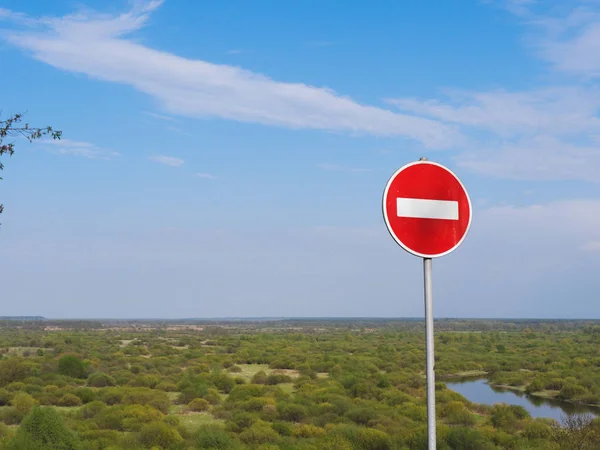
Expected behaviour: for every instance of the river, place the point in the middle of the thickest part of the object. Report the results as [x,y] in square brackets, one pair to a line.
[478,391]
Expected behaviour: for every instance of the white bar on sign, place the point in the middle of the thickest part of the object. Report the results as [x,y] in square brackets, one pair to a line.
[420,208]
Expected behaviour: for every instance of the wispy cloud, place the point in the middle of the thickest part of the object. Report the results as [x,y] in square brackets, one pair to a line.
[205,175]
[548,133]
[178,130]
[167,160]
[97,45]
[77,148]
[341,168]
[538,158]
[160,116]
[543,134]
[556,110]
[235,51]
[571,41]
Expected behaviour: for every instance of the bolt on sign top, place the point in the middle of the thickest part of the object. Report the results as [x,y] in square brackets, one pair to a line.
[426,209]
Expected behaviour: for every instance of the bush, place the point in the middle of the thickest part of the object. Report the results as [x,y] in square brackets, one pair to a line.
[70,400]
[461,438]
[72,366]
[537,429]
[260,377]
[212,396]
[146,396]
[12,416]
[23,402]
[127,417]
[159,434]
[259,433]
[43,429]
[307,431]
[91,409]
[4,397]
[13,369]
[291,412]
[283,428]
[85,394]
[100,379]
[278,378]
[361,416]
[167,387]
[198,404]
[223,383]
[213,437]
[16,386]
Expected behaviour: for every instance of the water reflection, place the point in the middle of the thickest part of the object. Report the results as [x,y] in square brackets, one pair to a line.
[478,391]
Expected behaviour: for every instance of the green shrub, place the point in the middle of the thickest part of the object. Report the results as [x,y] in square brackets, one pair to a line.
[12,416]
[260,377]
[537,429]
[72,366]
[43,429]
[159,434]
[307,431]
[146,396]
[70,400]
[85,394]
[461,438]
[13,369]
[259,433]
[198,404]
[4,397]
[23,402]
[91,409]
[16,386]
[100,379]
[167,387]
[283,428]
[213,437]
[274,379]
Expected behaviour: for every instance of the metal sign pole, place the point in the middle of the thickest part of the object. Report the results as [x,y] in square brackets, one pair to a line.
[429,351]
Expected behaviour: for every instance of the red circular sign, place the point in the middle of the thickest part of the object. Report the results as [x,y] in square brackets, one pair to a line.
[426,209]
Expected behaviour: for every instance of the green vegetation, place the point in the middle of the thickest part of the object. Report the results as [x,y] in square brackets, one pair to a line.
[288,385]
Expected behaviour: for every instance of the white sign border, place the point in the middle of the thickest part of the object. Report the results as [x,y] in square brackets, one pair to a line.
[387,222]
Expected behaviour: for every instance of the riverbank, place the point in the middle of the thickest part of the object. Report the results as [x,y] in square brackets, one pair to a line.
[473,375]
[546,394]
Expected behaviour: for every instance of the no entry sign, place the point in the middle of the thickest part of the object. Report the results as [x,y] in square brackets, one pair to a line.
[426,209]
[428,212]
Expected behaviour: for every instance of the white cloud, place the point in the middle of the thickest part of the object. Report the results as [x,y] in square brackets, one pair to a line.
[548,133]
[160,116]
[205,175]
[555,110]
[77,148]
[167,160]
[538,158]
[571,220]
[341,168]
[97,45]
[571,40]
[543,134]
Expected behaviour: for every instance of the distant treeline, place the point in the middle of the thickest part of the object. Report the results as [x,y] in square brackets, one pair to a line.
[311,325]
[22,318]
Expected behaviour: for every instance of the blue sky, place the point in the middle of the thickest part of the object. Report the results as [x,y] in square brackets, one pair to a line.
[228,158]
